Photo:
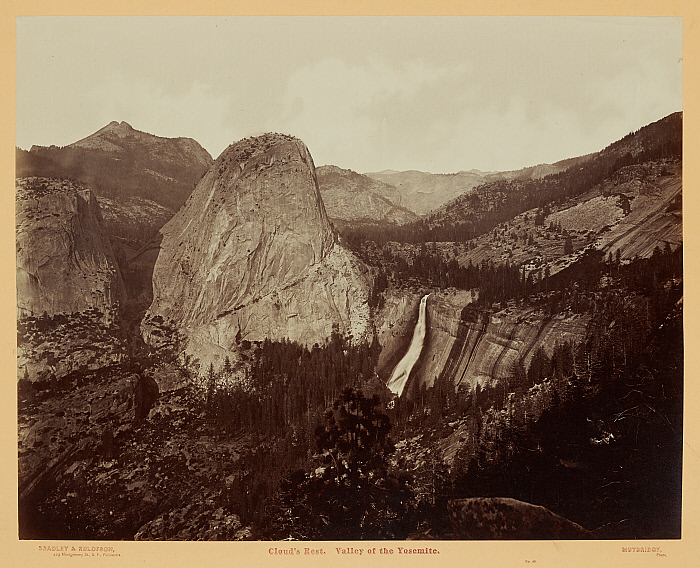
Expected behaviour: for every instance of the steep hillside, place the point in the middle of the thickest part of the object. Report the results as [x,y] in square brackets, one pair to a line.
[353,198]
[134,218]
[120,163]
[627,215]
[498,201]
[422,192]
[252,255]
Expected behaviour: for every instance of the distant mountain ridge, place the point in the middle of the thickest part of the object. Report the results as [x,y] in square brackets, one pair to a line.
[423,192]
[119,136]
[351,197]
[504,198]
[120,162]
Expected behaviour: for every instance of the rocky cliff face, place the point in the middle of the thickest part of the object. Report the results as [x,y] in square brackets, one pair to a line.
[468,346]
[252,255]
[477,346]
[65,262]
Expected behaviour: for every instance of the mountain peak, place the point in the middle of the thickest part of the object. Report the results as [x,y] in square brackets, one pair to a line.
[115,126]
[104,137]
[119,129]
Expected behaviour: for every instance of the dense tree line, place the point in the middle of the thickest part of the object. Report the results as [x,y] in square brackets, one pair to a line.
[351,494]
[281,397]
[574,288]
[288,384]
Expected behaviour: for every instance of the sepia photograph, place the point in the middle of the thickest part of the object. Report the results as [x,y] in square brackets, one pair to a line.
[349,278]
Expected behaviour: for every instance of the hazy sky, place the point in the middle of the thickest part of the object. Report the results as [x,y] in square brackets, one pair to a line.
[437,94]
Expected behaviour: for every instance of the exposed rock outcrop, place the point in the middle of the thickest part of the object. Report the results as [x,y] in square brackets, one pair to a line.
[200,520]
[65,262]
[470,345]
[497,518]
[252,255]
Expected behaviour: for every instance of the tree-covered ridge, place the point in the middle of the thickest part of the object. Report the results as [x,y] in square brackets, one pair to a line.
[479,211]
[133,173]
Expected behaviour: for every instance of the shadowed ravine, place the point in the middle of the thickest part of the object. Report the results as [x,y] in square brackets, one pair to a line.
[399,377]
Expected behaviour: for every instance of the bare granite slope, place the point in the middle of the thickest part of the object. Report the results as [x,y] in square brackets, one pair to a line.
[252,255]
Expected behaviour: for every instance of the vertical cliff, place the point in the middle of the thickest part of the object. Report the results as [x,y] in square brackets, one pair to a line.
[252,255]
[65,262]
[469,346]
[465,345]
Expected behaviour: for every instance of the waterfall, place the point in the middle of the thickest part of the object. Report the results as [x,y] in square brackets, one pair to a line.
[399,377]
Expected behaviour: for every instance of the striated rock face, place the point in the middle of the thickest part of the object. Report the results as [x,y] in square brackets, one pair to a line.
[469,346]
[496,518]
[465,345]
[65,262]
[252,253]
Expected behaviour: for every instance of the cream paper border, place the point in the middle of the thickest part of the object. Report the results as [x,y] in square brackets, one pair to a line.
[596,554]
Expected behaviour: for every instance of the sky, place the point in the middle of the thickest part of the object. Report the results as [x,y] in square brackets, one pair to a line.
[435,94]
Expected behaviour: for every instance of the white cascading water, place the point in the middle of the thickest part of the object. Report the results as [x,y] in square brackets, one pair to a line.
[399,377]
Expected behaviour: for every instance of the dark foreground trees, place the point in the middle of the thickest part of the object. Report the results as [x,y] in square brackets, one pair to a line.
[351,494]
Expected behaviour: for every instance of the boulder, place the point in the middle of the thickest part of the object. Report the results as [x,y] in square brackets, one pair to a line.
[499,518]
